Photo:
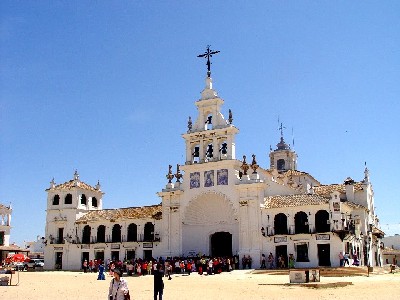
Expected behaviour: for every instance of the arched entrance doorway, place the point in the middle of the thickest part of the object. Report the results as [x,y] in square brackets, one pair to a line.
[221,244]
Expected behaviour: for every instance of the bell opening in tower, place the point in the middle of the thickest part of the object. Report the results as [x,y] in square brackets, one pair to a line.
[196,155]
[208,124]
[281,165]
[223,150]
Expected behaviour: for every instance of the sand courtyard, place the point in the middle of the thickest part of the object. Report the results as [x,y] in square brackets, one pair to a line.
[240,284]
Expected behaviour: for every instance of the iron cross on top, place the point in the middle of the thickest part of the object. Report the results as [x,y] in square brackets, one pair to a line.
[209,53]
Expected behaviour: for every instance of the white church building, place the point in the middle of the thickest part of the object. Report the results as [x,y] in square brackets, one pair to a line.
[216,204]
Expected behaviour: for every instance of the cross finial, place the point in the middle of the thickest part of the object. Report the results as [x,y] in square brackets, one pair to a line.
[281,129]
[209,53]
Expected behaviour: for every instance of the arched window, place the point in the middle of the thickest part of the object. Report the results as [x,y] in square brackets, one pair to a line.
[280,164]
[68,199]
[86,234]
[208,123]
[83,199]
[94,202]
[56,200]
[196,154]
[210,151]
[116,233]
[322,221]
[280,224]
[223,149]
[148,231]
[301,222]
[101,234]
[132,232]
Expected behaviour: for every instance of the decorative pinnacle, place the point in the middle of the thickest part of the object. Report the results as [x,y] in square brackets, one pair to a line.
[170,176]
[254,165]
[244,166]
[209,53]
[178,174]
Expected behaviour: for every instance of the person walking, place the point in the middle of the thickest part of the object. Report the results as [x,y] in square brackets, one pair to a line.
[158,282]
[263,266]
[169,270]
[85,266]
[341,258]
[101,275]
[118,289]
[346,259]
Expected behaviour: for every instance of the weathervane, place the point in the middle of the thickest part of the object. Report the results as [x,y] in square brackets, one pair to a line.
[209,53]
[281,129]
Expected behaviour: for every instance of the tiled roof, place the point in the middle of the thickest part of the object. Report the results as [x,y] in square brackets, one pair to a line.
[294,173]
[73,184]
[12,248]
[388,251]
[154,211]
[354,205]
[294,200]
[327,190]
[377,231]
[289,173]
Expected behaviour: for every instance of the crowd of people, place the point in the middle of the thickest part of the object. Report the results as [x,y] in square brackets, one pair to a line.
[185,265]
[176,265]
[344,259]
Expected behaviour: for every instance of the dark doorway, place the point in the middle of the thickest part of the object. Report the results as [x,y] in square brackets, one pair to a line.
[130,255]
[148,232]
[58,264]
[221,244]
[324,255]
[301,222]
[85,256]
[99,255]
[147,254]
[280,224]
[86,234]
[116,233]
[281,250]
[132,233]
[60,238]
[322,221]
[114,255]
[101,234]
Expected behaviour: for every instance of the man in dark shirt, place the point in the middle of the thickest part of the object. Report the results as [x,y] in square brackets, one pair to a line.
[158,282]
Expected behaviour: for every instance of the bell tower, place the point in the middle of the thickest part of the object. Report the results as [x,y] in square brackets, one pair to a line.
[283,158]
[211,137]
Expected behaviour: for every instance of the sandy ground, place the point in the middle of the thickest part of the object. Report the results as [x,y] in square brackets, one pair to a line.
[240,284]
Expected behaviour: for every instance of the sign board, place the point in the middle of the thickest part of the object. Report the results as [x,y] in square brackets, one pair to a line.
[115,246]
[147,245]
[323,237]
[280,239]
[58,248]
[85,246]
[303,276]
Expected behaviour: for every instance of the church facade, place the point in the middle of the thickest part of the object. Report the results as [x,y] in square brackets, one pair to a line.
[215,204]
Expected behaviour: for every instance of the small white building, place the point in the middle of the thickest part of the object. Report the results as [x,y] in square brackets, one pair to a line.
[36,248]
[217,205]
[5,233]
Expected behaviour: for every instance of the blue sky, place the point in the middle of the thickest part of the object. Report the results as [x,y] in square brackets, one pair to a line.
[106,88]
